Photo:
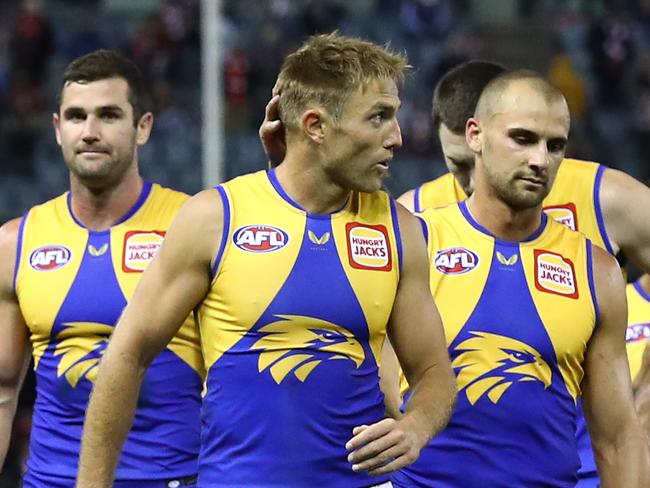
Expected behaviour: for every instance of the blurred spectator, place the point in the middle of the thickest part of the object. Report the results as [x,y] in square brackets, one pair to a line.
[170,117]
[612,52]
[427,19]
[563,75]
[22,125]
[31,44]
[642,113]
[84,41]
[236,86]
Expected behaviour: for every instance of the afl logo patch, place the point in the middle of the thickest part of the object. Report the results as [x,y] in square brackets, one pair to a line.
[368,247]
[51,257]
[140,246]
[555,274]
[637,332]
[455,260]
[260,238]
[564,214]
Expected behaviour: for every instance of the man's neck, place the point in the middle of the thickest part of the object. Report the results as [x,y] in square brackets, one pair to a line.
[310,188]
[99,209]
[503,221]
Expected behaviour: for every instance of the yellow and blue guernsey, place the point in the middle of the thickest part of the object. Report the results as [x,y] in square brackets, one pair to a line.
[574,198]
[637,336]
[517,318]
[292,329]
[638,325]
[72,285]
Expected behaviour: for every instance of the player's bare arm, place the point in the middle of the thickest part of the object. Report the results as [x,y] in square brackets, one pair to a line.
[389,372]
[620,448]
[175,281]
[14,346]
[416,333]
[389,380]
[625,203]
[641,388]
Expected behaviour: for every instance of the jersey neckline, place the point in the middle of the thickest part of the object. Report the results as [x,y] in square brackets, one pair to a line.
[470,219]
[146,190]
[273,179]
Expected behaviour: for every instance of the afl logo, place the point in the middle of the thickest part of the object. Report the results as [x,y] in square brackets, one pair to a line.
[47,258]
[260,238]
[455,260]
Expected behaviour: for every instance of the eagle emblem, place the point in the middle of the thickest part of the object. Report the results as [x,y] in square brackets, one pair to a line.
[489,364]
[298,344]
[80,345]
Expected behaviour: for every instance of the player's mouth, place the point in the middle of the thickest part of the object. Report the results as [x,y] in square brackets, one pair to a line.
[91,152]
[536,182]
[384,165]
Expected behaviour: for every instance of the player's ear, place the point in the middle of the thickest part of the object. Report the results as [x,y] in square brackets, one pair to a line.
[313,122]
[143,128]
[56,123]
[474,135]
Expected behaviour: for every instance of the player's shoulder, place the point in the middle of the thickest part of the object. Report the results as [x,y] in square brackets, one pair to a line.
[206,204]
[445,212]
[443,179]
[566,233]
[9,232]
[572,164]
[9,236]
[574,173]
[169,194]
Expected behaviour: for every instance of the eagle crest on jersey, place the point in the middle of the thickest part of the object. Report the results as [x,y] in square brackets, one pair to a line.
[289,346]
[491,363]
[80,346]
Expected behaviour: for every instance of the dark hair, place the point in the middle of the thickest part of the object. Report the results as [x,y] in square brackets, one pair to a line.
[103,64]
[491,98]
[457,93]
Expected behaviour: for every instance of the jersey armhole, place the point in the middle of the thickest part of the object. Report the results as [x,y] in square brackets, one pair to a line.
[416,199]
[425,229]
[19,247]
[599,213]
[226,230]
[398,235]
[590,277]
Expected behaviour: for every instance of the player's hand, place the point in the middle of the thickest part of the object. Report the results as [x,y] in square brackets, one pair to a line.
[383,447]
[272,132]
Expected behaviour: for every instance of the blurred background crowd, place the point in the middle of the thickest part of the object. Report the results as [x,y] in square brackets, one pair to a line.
[596,51]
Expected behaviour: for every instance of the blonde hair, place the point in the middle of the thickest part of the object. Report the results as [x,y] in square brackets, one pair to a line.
[327,69]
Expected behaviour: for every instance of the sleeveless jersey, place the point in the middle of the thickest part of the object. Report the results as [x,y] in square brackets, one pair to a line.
[292,329]
[517,318]
[637,335]
[573,200]
[72,284]
[638,325]
[438,193]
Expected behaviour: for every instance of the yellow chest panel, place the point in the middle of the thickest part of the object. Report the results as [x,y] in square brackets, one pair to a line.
[72,284]
[535,296]
[302,270]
